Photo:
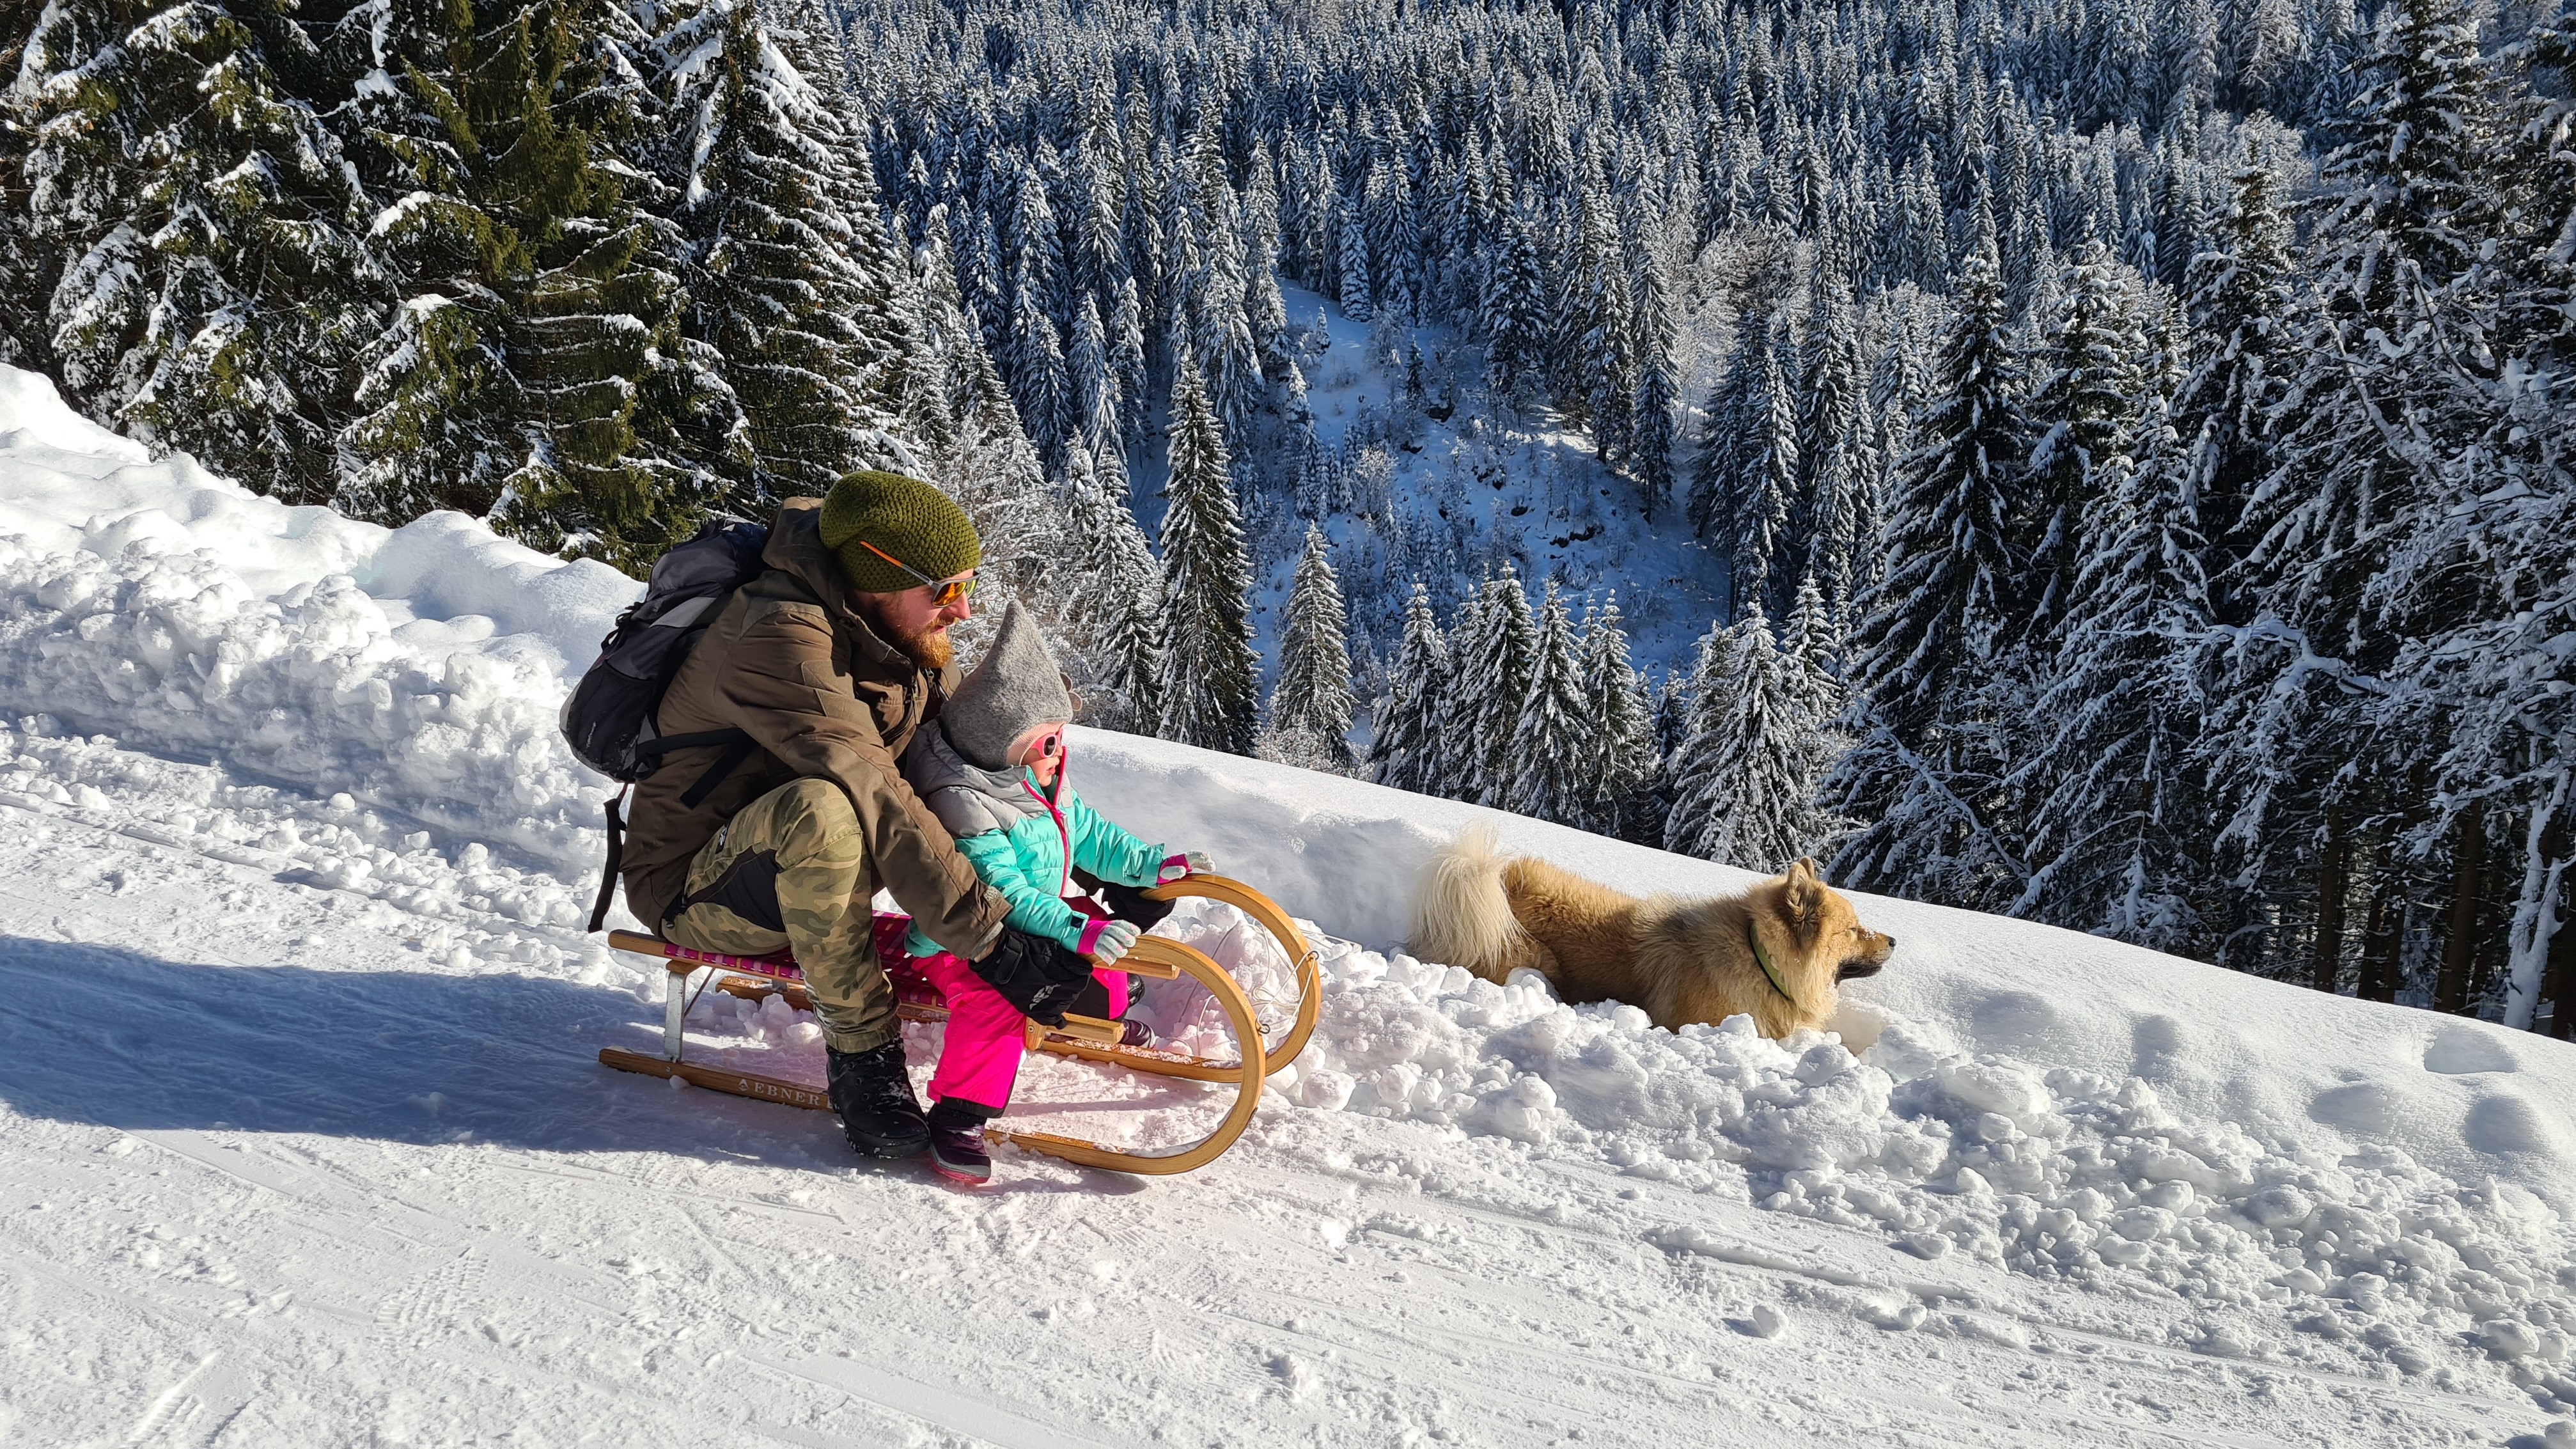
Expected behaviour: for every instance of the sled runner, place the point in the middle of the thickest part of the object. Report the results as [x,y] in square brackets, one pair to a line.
[1087,1038]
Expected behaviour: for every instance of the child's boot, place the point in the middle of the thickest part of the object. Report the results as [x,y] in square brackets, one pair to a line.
[957,1149]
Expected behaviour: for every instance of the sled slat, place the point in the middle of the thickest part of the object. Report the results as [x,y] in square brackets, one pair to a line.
[1089,1028]
[761,988]
[740,1084]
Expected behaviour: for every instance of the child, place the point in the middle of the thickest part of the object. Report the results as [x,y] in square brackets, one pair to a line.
[993,772]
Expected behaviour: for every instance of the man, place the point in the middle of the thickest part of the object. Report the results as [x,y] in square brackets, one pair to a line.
[829,662]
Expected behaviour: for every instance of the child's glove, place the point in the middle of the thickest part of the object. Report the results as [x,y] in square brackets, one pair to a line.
[1177,866]
[1034,974]
[1130,904]
[1105,941]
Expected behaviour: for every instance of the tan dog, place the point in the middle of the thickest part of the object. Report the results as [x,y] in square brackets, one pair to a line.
[1774,953]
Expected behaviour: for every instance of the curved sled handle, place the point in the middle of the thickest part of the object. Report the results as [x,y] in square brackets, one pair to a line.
[1261,908]
[1246,1074]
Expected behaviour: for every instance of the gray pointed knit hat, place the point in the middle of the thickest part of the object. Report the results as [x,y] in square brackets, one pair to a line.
[1015,686]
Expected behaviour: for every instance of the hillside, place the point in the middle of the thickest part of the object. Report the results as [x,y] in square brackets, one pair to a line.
[303,1138]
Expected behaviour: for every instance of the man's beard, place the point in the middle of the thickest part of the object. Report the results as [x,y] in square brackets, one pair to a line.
[929,649]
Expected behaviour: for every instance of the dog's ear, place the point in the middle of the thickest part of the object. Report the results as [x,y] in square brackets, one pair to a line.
[1803,899]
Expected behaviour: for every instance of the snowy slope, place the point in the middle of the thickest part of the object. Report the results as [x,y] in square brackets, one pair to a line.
[302,1141]
[1499,488]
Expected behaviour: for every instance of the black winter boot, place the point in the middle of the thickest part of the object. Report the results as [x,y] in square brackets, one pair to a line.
[873,1097]
[957,1150]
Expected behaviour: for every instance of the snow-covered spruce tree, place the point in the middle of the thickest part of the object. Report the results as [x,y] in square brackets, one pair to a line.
[1455,760]
[1390,215]
[1619,799]
[200,231]
[1924,770]
[1265,312]
[2505,692]
[1033,364]
[988,464]
[1096,263]
[1500,655]
[1227,351]
[1833,449]
[1516,313]
[2117,827]
[1032,251]
[1814,648]
[1358,296]
[1730,439]
[1757,800]
[1706,702]
[904,374]
[2349,555]
[28,267]
[1127,362]
[1095,403]
[2085,411]
[1210,672]
[2404,211]
[1652,436]
[1898,388]
[1555,740]
[1114,608]
[1760,548]
[1598,371]
[1404,743]
[1310,705]
[532,368]
[952,366]
[774,286]
[2242,304]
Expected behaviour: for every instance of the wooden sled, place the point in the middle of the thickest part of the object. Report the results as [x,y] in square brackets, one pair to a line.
[1087,1038]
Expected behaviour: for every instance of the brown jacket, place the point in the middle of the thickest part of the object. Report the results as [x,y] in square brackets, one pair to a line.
[790,662]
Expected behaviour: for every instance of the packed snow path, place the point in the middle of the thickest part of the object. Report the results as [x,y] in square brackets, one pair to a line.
[301,1137]
[284,1167]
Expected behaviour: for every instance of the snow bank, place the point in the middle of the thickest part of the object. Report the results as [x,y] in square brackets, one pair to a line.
[413,668]
[2057,1171]
[2366,1183]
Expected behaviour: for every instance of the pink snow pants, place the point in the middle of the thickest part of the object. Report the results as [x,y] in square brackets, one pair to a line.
[980,1059]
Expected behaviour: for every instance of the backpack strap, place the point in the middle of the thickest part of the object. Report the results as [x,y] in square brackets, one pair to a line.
[616,855]
[738,748]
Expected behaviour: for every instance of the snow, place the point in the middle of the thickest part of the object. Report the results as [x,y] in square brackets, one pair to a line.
[302,1139]
[1495,488]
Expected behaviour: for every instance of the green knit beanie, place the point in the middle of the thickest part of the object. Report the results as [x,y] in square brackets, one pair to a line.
[906,518]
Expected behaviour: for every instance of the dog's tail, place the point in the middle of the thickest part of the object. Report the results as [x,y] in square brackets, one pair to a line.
[1461,917]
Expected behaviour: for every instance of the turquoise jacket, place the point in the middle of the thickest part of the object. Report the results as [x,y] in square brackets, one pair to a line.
[1020,838]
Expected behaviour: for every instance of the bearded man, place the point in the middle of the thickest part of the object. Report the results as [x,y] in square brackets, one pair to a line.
[827,665]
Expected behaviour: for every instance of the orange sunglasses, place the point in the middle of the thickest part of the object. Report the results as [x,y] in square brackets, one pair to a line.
[943,592]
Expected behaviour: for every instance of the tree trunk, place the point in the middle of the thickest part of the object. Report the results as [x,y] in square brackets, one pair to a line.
[2384,938]
[2330,893]
[2562,971]
[2459,944]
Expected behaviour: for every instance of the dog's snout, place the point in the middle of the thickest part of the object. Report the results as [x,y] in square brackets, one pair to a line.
[1870,962]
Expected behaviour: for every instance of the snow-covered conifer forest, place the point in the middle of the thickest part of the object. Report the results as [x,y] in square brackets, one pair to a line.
[2099,462]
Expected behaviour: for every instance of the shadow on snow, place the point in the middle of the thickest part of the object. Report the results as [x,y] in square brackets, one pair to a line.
[114,1038]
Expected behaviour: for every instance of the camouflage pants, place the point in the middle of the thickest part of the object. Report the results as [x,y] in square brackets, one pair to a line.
[788,871]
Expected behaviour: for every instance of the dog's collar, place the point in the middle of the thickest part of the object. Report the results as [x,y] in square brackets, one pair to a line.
[1762,959]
